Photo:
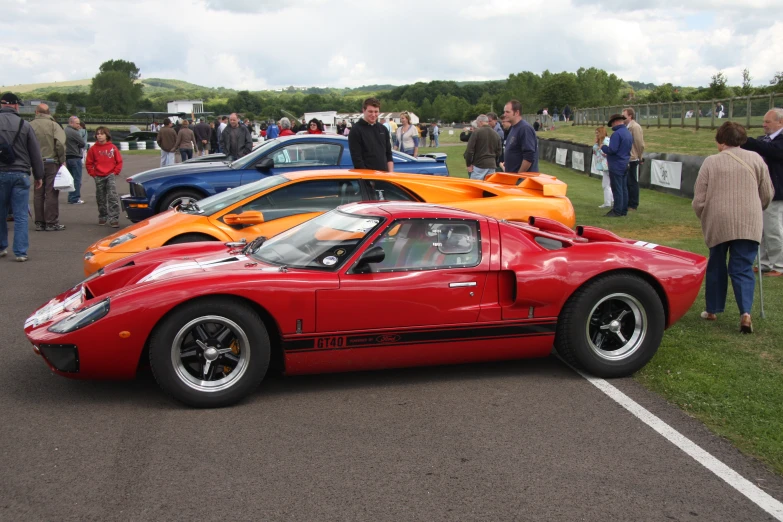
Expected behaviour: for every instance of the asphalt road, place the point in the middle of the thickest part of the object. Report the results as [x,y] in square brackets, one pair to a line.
[527,440]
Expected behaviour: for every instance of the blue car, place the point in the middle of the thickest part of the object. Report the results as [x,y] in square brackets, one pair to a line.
[159,189]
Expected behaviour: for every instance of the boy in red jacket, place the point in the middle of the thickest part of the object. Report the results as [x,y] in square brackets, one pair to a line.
[104,161]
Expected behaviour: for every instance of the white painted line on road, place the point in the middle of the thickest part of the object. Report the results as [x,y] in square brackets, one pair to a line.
[731,477]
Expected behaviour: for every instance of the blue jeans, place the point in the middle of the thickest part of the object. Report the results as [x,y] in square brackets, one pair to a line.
[74,166]
[437,142]
[619,192]
[481,173]
[14,195]
[742,253]
[185,154]
[633,184]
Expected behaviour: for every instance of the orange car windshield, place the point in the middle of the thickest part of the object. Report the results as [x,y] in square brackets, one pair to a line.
[324,242]
[218,202]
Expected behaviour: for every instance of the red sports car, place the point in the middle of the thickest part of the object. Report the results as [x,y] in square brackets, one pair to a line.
[368,286]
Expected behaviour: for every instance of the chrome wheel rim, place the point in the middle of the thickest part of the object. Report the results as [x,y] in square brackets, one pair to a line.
[180,201]
[210,353]
[616,327]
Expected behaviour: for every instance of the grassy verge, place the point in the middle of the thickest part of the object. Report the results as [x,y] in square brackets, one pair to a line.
[681,141]
[731,382]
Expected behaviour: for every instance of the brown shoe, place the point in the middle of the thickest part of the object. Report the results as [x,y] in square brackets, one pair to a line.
[746,325]
[708,316]
[772,273]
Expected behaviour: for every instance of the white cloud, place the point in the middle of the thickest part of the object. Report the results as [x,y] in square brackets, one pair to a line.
[258,44]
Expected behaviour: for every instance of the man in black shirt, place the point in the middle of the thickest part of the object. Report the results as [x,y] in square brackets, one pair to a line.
[369,141]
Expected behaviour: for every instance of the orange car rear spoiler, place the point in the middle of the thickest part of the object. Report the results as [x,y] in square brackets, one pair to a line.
[549,185]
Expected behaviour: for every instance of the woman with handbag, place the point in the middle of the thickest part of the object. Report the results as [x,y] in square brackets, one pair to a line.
[407,136]
[731,192]
[599,160]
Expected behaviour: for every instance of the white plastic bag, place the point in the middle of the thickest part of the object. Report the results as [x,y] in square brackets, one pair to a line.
[64,181]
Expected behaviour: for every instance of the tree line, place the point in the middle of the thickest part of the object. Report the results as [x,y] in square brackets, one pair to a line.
[117,91]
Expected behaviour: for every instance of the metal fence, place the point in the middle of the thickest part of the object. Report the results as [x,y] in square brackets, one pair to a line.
[746,110]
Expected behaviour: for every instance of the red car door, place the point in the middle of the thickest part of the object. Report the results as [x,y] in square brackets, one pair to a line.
[434,273]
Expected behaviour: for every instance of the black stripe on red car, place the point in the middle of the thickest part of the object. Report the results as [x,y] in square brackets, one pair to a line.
[370,340]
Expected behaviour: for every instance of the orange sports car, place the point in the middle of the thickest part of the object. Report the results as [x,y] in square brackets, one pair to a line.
[277,203]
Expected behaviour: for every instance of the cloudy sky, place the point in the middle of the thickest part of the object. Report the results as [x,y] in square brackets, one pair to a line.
[267,44]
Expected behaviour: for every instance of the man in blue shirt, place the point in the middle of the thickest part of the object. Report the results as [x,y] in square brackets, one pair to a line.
[273,131]
[618,154]
[521,152]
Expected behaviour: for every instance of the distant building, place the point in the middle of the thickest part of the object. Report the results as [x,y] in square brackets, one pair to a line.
[326,117]
[186,106]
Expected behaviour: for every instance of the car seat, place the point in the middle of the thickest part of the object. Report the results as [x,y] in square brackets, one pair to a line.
[420,248]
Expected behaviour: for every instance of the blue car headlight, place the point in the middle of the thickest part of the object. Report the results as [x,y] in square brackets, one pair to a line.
[82,318]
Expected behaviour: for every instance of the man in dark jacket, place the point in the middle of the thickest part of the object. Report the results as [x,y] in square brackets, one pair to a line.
[236,139]
[51,140]
[167,141]
[74,144]
[202,131]
[770,147]
[483,151]
[618,154]
[369,141]
[18,136]
[521,153]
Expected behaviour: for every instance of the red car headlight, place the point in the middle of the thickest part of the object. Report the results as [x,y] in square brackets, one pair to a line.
[81,318]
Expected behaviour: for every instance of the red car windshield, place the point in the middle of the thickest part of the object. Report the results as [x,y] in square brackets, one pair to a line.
[324,242]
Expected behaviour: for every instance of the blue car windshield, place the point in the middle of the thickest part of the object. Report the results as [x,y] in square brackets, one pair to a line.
[227,198]
[257,153]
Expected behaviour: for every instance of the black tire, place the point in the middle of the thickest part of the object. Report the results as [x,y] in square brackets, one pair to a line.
[189,238]
[612,326]
[220,373]
[175,197]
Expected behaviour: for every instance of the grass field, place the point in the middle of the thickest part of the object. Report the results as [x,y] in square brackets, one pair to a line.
[731,382]
[681,141]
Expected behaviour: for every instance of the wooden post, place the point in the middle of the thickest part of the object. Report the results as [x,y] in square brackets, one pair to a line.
[771,101]
[750,108]
[659,114]
[731,107]
[670,115]
[682,114]
[648,115]
[712,120]
[698,109]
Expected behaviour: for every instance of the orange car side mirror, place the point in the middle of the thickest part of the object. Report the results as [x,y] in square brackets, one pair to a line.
[251,217]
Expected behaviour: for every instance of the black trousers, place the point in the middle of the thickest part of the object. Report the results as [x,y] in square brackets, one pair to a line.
[632,177]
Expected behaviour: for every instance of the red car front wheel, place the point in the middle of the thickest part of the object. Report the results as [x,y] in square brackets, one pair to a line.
[210,353]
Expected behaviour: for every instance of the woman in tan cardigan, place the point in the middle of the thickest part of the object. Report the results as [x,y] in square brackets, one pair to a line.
[732,190]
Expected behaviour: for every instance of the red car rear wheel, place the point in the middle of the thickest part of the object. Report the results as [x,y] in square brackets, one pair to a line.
[612,326]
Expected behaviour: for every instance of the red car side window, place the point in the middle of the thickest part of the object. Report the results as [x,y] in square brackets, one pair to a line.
[424,244]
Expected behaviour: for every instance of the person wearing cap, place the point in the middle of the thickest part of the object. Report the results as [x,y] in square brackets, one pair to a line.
[46,201]
[618,154]
[19,153]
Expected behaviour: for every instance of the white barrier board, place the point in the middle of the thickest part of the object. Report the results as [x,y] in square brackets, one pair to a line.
[578,161]
[594,170]
[666,173]
[560,156]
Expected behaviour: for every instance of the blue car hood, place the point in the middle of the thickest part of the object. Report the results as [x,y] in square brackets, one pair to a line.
[180,170]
